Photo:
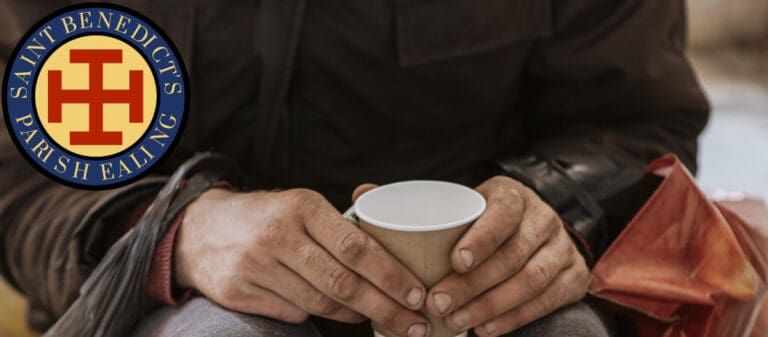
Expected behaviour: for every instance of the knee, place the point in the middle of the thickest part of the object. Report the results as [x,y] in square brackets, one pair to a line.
[577,320]
[201,318]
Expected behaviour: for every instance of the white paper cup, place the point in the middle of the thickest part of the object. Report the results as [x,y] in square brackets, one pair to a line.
[420,222]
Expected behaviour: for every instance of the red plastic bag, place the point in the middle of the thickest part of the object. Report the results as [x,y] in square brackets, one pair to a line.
[686,266]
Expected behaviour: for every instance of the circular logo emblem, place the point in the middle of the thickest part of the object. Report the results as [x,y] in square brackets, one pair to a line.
[95,95]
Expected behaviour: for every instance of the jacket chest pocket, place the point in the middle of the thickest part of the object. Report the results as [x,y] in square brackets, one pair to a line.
[432,30]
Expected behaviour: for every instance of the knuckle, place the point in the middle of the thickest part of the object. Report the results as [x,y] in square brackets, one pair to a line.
[324,305]
[538,275]
[546,304]
[507,261]
[512,196]
[271,234]
[487,307]
[344,285]
[583,277]
[568,293]
[352,246]
[496,199]
[562,292]
[550,218]
[471,287]
[509,191]
[495,185]
[307,255]
[512,205]
[578,261]
[305,194]
[390,317]
[509,257]
[483,241]
[533,233]
[302,198]
[586,277]
[392,280]
[571,249]
[526,192]
[566,250]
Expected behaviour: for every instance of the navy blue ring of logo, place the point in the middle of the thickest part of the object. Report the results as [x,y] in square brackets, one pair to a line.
[96,172]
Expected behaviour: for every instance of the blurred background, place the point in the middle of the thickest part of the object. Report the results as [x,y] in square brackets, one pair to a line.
[729,49]
[728,45]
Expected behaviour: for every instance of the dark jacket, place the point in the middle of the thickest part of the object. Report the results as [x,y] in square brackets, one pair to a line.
[604,87]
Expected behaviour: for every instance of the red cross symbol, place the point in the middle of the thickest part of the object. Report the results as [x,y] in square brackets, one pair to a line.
[96,96]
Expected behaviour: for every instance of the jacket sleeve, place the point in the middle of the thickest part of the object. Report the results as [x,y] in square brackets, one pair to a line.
[610,90]
[51,236]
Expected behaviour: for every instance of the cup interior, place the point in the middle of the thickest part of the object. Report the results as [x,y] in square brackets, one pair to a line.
[420,205]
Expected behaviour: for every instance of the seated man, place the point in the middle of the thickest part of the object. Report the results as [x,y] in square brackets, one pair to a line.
[550,108]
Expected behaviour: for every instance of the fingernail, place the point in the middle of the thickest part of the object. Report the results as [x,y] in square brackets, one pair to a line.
[467,257]
[414,296]
[417,330]
[489,327]
[460,318]
[443,302]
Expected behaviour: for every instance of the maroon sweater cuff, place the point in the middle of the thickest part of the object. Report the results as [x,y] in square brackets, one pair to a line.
[159,284]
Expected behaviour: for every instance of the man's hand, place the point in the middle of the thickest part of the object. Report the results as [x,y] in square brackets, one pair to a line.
[513,266]
[290,254]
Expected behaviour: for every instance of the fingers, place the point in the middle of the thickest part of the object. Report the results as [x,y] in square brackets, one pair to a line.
[359,190]
[298,291]
[457,289]
[539,224]
[332,278]
[537,274]
[569,287]
[502,215]
[361,253]
[244,296]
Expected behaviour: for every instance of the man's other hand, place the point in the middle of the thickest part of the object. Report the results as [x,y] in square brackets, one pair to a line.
[514,265]
[290,254]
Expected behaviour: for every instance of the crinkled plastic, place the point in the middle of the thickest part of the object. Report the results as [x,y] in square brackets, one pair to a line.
[113,297]
[686,266]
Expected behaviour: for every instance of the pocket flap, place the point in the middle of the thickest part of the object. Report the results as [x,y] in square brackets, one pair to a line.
[430,30]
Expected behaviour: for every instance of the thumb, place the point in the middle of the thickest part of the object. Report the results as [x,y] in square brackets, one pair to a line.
[362,189]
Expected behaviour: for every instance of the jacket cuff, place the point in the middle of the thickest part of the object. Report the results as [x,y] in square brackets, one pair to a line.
[594,195]
[580,212]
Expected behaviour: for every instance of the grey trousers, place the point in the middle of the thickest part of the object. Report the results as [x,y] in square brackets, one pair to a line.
[202,318]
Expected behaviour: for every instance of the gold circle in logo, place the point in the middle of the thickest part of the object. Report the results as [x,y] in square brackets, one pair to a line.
[95,96]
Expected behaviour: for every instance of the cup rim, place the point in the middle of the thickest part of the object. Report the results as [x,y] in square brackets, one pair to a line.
[430,228]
